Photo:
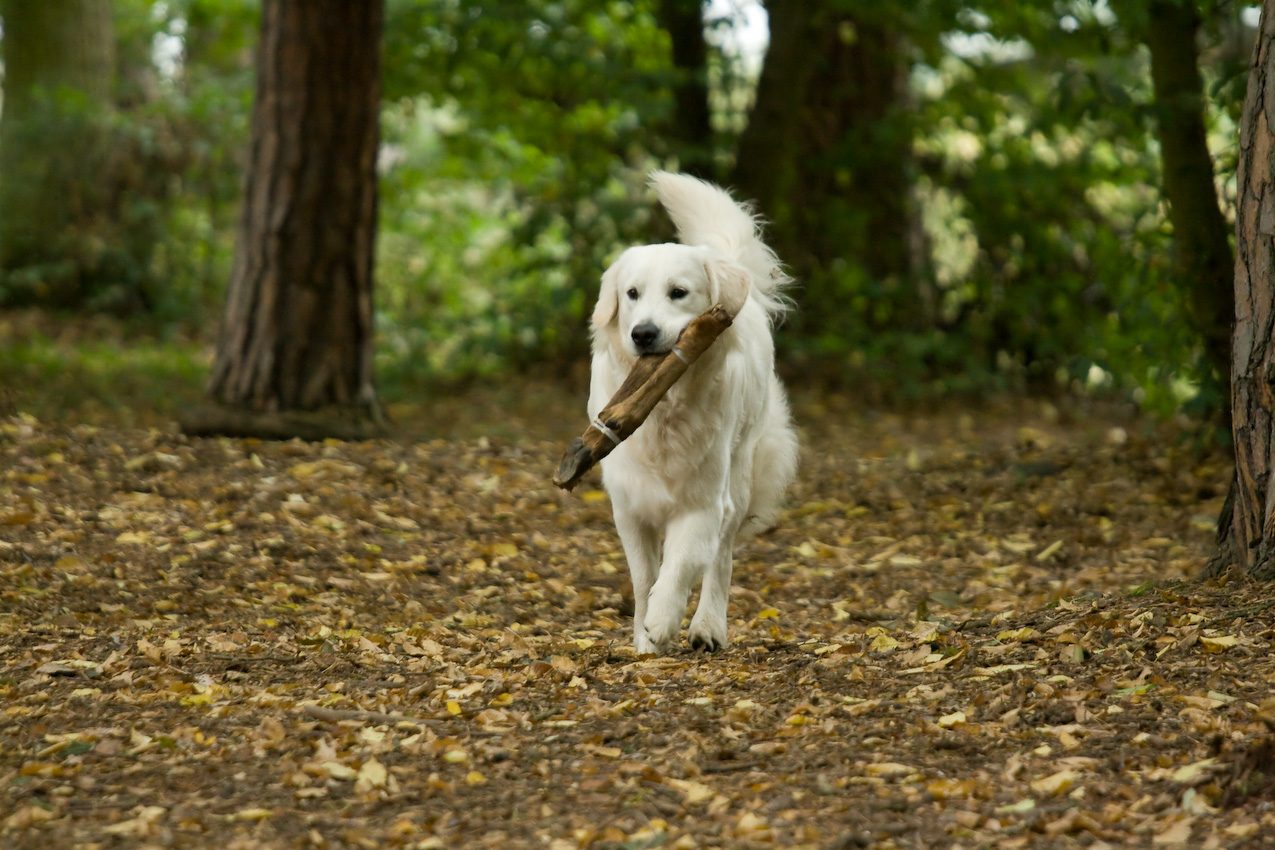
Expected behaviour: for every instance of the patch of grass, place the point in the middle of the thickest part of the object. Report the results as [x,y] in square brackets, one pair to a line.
[140,382]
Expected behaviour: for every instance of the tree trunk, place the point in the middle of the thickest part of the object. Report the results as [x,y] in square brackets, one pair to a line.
[1205,264]
[59,64]
[297,329]
[1246,529]
[768,145]
[691,130]
[827,154]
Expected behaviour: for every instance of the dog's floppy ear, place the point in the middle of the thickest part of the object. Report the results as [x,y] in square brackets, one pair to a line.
[729,283]
[608,297]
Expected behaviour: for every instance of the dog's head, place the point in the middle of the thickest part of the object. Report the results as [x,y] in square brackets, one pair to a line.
[652,292]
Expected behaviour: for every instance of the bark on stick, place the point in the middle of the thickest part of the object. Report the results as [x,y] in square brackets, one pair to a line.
[650,378]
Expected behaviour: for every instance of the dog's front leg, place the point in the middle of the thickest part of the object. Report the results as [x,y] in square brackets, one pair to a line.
[690,548]
[641,549]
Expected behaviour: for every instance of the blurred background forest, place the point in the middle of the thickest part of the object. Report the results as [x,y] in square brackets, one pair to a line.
[1008,196]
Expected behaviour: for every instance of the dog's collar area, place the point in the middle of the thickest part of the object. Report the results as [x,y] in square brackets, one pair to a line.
[601,427]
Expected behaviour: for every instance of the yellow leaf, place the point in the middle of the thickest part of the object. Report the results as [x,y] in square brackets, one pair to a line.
[1220,643]
[692,792]
[1049,551]
[1189,774]
[1177,833]
[372,774]
[947,789]
[455,756]
[453,708]
[475,778]
[883,643]
[1025,633]
[948,721]
[338,771]
[593,497]
[1001,668]
[194,700]
[751,823]
[253,814]
[1055,784]
[1021,807]
[768,613]
[888,769]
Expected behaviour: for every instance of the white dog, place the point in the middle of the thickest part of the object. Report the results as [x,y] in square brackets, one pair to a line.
[711,463]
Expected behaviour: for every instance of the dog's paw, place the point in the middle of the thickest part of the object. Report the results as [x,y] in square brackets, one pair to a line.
[706,636]
[662,624]
[642,644]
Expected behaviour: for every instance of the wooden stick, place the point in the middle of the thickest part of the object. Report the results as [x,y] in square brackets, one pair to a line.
[650,378]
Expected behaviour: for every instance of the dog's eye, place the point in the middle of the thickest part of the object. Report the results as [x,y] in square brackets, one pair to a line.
[632,293]
[677,293]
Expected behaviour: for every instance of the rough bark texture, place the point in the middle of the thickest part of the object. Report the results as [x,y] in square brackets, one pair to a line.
[59,61]
[1205,263]
[691,130]
[1246,529]
[827,153]
[297,330]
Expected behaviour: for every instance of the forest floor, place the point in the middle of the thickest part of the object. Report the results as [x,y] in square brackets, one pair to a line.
[973,628]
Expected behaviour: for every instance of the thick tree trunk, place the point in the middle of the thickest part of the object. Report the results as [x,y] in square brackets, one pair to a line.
[768,145]
[1246,529]
[858,164]
[297,330]
[827,154]
[56,44]
[1205,264]
[59,67]
[691,130]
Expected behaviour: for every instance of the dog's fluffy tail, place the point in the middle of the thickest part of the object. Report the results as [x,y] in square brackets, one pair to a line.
[707,215]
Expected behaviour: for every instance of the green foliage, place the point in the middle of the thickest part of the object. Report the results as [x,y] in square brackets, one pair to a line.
[514,171]
[517,136]
[82,220]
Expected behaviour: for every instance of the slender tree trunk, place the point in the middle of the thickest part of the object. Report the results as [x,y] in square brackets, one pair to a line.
[691,131]
[1205,263]
[1246,529]
[59,64]
[297,330]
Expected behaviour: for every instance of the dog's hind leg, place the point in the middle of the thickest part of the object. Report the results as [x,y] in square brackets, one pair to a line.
[708,626]
[642,551]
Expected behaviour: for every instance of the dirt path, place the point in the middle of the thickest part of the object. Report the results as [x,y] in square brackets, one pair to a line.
[966,633]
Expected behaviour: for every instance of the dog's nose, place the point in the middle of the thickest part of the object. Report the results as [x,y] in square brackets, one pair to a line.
[644,335]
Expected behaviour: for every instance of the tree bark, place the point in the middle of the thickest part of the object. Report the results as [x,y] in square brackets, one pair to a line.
[691,130]
[297,329]
[59,64]
[827,154]
[1205,265]
[56,44]
[769,142]
[1246,528]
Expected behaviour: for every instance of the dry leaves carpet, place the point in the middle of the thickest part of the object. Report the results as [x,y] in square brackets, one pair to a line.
[970,631]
